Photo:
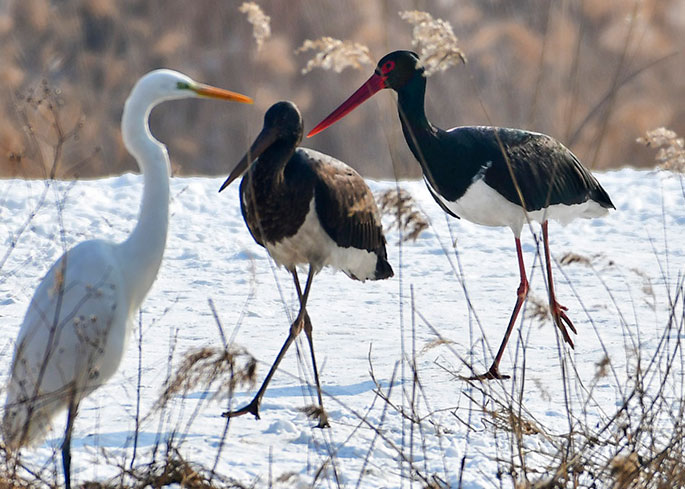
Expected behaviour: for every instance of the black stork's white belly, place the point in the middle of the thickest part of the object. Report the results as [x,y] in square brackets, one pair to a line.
[311,245]
[482,204]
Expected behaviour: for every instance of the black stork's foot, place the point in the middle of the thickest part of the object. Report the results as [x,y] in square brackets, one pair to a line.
[317,412]
[491,374]
[562,321]
[251,408]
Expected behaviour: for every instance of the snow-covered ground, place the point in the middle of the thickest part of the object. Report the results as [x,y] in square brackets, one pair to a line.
[619,303]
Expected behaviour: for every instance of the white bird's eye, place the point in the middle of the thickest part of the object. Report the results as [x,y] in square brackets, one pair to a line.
[183,86]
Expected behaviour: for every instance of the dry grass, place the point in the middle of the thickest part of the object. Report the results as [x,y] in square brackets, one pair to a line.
[261,23]
[571,257]
[334,54]
[49,142]
[537,308]
[434,38]
[172,470]
[208,368]
[400,206]
[10,480]
[671,148]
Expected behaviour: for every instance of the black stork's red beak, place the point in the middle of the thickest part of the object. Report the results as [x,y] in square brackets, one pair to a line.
[265,139]
[372,85]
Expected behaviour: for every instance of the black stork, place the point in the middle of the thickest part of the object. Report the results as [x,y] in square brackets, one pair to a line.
[488,175]
[306,208]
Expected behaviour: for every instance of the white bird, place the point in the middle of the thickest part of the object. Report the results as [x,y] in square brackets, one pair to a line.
[75,330]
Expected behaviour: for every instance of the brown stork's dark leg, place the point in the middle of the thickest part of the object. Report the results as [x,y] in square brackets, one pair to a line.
[522,293]
[295,328]
[323,419]
[558,311]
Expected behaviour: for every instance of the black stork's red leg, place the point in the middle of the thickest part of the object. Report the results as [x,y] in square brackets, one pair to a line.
[557,310]
[521,294]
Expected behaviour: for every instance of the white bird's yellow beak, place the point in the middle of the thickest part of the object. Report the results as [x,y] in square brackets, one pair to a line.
[213,92]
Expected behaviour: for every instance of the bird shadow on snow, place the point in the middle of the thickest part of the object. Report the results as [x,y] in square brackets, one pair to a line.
[298,390]
[123,439]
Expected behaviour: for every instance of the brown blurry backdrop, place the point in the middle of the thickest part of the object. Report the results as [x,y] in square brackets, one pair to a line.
[594,74]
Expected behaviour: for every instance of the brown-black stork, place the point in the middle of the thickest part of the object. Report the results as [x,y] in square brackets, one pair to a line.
[488,175]
[306,208]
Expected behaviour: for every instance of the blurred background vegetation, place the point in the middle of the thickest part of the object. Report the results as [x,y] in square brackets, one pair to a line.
[594,74]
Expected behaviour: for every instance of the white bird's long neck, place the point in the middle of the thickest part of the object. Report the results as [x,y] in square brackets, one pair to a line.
[143,250]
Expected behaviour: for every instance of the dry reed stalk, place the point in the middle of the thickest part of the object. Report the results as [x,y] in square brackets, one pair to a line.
[671,148]
[399,205]
[261,23]
[570,258]
[437,44]
[334,54]
[202,368]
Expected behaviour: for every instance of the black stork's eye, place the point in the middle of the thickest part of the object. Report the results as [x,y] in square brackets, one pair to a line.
[387,67]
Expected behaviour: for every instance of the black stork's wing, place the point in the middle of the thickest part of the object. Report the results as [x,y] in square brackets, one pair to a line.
[345,204]
[541,168]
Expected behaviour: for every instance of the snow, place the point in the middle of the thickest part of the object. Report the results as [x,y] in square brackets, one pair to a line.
[456,283]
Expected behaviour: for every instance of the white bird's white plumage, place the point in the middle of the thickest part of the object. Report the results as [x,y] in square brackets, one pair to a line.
[76,327]
[71,341]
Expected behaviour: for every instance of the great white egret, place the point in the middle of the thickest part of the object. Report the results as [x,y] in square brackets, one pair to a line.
[75,330]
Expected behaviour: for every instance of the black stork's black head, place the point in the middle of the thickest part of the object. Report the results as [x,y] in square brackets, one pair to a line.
[282,126]
[397,68]
[394,70]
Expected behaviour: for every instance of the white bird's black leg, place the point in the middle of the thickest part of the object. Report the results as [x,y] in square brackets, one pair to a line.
[66,444]
[557,310]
